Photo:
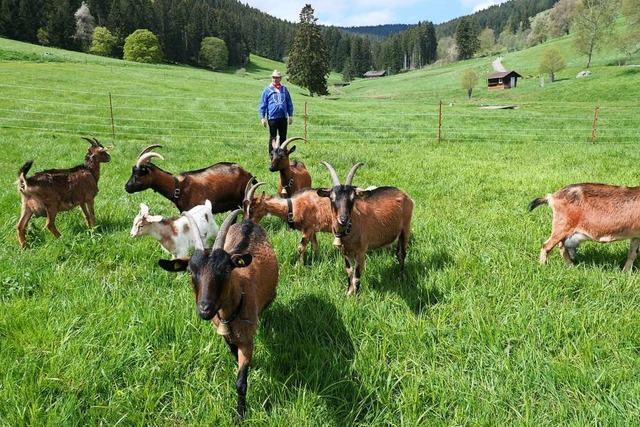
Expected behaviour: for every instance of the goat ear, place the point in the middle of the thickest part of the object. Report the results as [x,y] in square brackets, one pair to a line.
[323,192]
[292,149]
[174,265]
[240,261]
[144,209]
[274,143]
[154,218]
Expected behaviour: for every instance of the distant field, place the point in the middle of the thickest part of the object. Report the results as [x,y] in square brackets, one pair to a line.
[92,332]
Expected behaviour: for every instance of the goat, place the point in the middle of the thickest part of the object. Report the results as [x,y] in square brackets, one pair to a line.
[55,190]
[366,219]
[174,233]
[233,283]
[597,212]
[222,183]
[305,211]
[293,175]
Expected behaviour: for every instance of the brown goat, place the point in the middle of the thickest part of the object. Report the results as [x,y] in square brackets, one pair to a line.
[233,283]
[55,190]
[293,175]
[367,219]
[596,212]
[222,183]
[305,211]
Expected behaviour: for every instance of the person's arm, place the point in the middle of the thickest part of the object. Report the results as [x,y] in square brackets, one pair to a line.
[263,108]
[289,105]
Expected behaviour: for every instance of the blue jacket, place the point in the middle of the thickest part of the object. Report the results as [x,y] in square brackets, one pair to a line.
[275,103]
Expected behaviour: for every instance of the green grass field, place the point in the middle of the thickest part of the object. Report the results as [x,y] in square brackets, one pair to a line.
[92,332]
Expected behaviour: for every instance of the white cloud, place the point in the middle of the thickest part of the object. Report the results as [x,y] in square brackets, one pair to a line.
[476,5]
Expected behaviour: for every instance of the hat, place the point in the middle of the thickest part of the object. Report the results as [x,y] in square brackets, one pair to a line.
[276,73]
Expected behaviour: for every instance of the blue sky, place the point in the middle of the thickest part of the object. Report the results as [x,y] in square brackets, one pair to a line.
[354,13]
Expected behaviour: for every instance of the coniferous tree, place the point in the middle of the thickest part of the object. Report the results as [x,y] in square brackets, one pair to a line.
[467,38]
[308,63]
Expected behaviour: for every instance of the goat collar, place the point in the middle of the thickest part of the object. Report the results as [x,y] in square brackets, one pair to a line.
[176,191]
[289,213]
[284,191]
[235,314]
[344,232]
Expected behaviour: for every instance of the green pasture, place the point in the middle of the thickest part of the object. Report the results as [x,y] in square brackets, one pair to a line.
[92,332]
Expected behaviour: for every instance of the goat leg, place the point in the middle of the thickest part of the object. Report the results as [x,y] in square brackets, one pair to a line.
[51,222]
[347,263]
[633,254]
[245,354]
[22,226]
[89,214]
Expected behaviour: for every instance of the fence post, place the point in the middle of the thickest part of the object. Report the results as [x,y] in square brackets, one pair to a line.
[113,126]
[595,120]
[440,122]
[305,121]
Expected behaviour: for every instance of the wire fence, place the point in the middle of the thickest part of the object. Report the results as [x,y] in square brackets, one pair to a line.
[382,120]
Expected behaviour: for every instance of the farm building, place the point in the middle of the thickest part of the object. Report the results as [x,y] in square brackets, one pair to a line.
[372,73]
[502,80]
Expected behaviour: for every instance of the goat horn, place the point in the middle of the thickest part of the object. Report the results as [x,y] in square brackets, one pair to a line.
[224,229]
[149,148]
[334,175]
[94,142]
[249,195]
[145,158]
[295,138]
[195,232]
[352,172]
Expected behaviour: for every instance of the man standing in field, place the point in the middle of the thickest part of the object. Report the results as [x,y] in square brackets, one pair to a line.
[276,109]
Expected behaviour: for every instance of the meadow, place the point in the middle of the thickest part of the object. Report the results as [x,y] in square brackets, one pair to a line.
[93,332]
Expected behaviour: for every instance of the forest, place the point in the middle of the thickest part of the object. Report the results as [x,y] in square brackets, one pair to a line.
[182,25]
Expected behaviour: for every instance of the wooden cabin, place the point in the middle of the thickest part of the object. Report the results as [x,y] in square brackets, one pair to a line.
[502,80]
[370,74]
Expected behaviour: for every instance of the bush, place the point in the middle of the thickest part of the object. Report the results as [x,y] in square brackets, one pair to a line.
[214,53]
[142,46]
[102,42]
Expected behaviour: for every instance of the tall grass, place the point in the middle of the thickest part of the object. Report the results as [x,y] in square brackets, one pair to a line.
[93,332]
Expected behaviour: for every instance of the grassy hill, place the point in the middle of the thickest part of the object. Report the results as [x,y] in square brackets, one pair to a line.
[478,333]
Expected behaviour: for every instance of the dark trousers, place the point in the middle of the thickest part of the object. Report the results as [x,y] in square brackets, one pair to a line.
[277,127]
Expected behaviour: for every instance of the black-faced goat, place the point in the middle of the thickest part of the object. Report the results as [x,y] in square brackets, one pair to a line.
[293,174]
[233,282]
[54,190]
[596,212]
[222,183]
[366,219]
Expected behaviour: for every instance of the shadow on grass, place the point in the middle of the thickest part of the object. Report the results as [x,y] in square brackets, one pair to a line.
[598,256]
[310,349]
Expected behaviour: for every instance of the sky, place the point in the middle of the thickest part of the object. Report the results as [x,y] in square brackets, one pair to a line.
[358,13]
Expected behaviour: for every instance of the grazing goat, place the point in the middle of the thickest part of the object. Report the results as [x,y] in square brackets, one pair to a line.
[174,234]
[293,175]
[222,183]
[366,219]
[597,212]
[233,282]
[55,190]
[305,211]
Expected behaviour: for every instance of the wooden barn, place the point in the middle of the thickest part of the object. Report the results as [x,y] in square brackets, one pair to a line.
[502,80]
[370,74]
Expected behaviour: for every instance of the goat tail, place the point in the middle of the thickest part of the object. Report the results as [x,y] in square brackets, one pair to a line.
[22,178]
[537,202]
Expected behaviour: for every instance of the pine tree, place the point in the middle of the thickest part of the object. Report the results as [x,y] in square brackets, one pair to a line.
[467,37]
[308,63]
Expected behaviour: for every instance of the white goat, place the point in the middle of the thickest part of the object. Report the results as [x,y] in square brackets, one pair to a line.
[174,233]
